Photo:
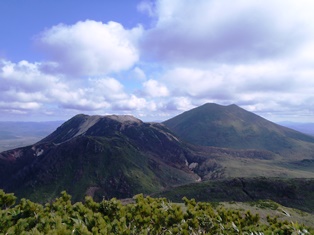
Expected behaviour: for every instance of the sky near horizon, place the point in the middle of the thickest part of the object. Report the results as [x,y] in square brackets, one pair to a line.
[155,59]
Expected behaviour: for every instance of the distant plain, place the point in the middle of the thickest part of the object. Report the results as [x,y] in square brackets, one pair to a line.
[19,134]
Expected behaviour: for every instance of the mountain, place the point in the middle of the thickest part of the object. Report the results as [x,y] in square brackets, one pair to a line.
[233,127]
[120,156]
[102,156]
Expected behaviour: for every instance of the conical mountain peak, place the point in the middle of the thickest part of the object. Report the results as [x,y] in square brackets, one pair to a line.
[234,127]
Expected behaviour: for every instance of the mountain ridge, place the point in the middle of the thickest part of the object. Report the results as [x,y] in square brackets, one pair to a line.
[120,155]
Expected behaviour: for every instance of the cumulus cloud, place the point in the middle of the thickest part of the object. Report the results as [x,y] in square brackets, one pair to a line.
[23,76]
[23,85]
[90,47]
[179,104]
[19,106]
[257,54]
[109,88]
[26,87]
[132,103]
[226,32]
[193,82]
[154,88]
[247,85]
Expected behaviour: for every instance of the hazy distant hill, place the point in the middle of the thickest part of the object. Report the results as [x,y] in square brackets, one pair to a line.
[233,127]
[307,128]
[18,134]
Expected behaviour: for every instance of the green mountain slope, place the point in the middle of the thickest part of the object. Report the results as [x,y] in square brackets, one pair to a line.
[233,127]
[103,156]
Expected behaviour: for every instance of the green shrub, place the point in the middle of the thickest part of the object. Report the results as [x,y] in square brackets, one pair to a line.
[145,216]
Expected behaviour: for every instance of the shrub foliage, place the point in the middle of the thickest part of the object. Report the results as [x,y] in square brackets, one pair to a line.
[145,216]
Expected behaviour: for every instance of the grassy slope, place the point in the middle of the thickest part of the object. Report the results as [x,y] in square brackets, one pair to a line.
[243,167]
[295,193]
[264,208]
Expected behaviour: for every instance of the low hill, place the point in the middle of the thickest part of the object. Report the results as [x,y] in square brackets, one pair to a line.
[233,127]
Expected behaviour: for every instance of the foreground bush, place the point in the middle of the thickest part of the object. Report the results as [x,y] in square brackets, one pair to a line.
[145,216]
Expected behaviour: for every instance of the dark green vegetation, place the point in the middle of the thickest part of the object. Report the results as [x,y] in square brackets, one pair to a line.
[233,127]
[18,134]
[296,193]
[145,216]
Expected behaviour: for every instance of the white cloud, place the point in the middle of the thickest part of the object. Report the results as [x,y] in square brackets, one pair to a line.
[179,103]
[253,53]
[265,85]
[23,76]
[90,47]
[20,106]
[26,87]
[23,86]
[194,82]
[154,88]
[109,88]
[257,54]
[131,103]
[227,32]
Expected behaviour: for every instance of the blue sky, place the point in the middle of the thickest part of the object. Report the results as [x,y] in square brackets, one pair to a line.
[155,59]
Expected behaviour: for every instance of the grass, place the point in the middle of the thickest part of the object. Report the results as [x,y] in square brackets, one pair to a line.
[244,167]
[295,193]
[264,208]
